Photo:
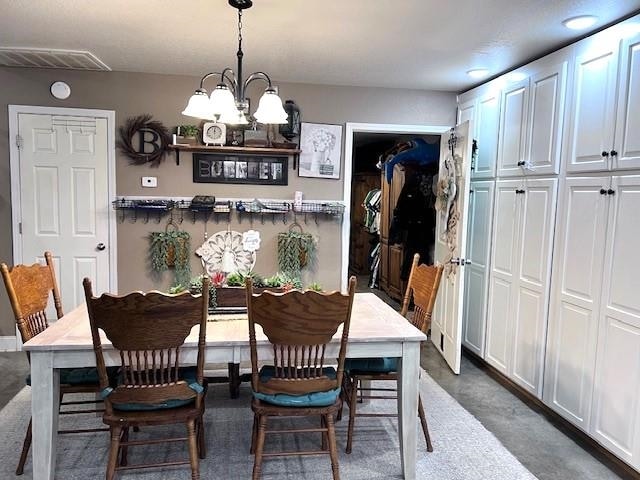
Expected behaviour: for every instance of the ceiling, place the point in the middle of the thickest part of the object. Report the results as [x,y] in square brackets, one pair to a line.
[415,44]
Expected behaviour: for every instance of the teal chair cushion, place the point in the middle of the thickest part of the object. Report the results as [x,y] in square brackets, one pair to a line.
[371,365]
[80,376]
[188,374]
[315,399]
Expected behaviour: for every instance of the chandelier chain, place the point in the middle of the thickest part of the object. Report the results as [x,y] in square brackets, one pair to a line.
[240,28]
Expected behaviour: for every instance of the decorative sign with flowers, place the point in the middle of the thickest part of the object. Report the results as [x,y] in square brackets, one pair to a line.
[321,146]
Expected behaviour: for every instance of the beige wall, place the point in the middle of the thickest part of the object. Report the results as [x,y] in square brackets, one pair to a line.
[164,97]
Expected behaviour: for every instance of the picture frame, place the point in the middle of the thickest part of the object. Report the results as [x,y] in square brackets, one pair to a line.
[240,168]
[321,150]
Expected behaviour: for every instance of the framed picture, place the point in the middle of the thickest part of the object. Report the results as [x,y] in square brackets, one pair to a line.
[321,146]
[240,168]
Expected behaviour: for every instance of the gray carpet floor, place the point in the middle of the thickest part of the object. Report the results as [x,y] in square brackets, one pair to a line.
[463,448]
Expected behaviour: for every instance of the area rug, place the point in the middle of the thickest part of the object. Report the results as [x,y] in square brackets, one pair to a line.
[463,448]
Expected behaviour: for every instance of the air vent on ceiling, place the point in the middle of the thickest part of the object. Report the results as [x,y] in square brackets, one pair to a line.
[50,58]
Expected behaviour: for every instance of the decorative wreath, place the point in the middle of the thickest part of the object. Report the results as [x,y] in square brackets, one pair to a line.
[134,125]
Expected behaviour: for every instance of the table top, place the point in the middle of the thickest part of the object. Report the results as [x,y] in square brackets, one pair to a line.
[372,320]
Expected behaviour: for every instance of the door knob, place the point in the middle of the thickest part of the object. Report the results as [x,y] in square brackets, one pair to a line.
[101,246]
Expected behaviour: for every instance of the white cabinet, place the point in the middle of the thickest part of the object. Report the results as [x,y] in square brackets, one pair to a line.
[519,279]
[477,272]
[605,134]
[513,125]
[593,350]
[616,408]
[573,316]
[483,109]
[487,125]
[531,123]
[627,137]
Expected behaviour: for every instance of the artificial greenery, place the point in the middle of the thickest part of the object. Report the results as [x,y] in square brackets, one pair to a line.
[237,279]
[296,250]
[179,288]
[171,249]
[315,286]
[283,280]
[189,131]
[195,287]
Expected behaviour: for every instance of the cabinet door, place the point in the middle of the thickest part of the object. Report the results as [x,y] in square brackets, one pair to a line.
[467,113]
[616,410]
[577,283]
[513,125]
[396,258]
[627,143]
[546,115]
[537,221]
[487,126]
[477,273]
[593,106]
[503,277]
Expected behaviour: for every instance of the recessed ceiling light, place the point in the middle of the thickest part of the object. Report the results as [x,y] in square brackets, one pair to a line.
[516,76]
[580,23]
[478,72]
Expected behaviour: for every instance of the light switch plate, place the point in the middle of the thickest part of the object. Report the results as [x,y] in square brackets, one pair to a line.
[150,182]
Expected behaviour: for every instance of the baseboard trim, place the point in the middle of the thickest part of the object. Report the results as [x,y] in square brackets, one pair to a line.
[8,343]
[607,458]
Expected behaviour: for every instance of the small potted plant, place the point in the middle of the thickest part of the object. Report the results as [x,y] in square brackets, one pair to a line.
[188,134]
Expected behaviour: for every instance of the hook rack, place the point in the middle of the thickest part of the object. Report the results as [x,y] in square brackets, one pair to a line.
[221,210]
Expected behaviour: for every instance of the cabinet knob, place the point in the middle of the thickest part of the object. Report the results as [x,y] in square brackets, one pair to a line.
[614,153]
[603,191]
[519,191]
[521,163]
[611,192]
[605,154]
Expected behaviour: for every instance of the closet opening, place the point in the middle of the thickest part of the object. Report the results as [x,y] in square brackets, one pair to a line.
[392,207]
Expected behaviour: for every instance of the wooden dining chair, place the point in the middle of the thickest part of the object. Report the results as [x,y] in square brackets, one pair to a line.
[147,332]
[422,289]
[297,382]
[30,288]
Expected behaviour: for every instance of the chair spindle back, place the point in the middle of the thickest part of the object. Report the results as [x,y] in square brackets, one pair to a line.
[147,330]
[29,288]
[423,284]
[299,325]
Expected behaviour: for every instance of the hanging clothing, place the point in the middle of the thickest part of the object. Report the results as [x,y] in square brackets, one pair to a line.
[419,152]
[414,221]
[372,210]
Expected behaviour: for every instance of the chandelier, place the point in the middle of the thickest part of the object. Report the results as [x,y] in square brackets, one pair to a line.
[227,103]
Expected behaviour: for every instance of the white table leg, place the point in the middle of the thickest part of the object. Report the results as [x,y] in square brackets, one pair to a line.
[408,407]
[45,402]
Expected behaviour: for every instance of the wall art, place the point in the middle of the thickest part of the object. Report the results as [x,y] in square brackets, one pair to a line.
[240,168]
[153,140]
[321,146]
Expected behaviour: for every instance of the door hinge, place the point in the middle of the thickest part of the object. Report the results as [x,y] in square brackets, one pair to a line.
[20,228]
[19,141]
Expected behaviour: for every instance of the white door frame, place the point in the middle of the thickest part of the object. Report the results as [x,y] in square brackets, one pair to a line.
[14,159]
[352,128]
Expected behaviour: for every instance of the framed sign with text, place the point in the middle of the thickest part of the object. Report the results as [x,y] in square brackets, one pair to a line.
[240,168]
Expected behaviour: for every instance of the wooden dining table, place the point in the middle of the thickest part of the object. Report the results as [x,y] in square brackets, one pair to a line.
[377,330]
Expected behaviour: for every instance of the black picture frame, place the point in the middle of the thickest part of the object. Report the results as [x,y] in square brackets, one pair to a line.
[240,168]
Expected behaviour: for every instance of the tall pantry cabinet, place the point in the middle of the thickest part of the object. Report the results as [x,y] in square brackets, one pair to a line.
[567,196]
[482,109]
[593,352]
[531,122]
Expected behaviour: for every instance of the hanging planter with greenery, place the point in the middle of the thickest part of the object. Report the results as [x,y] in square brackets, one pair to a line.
[296,250]
[171,249]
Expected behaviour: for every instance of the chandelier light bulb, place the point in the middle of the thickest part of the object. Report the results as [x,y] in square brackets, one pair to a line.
[270,108]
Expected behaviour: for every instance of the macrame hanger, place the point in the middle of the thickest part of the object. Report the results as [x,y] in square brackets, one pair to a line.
[171,223]
[295,225]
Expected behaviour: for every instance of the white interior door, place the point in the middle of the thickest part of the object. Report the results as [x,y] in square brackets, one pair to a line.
[451,246]
[64,199]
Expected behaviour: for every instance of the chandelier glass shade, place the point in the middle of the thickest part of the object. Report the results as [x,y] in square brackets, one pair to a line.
[228,103]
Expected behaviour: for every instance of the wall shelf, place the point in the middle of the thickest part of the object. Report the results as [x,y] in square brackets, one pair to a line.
[277,209]
[232,150]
